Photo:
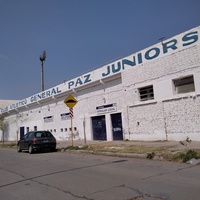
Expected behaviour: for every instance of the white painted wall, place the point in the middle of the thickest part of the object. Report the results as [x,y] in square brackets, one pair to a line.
[168,116]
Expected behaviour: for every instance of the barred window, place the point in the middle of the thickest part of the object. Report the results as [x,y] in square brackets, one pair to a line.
[48,119]
[184,85]
[146,93]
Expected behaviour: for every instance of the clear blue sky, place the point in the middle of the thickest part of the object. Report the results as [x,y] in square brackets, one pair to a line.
[80,35]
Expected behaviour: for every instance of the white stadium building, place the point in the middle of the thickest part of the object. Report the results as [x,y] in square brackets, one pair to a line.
[153,94]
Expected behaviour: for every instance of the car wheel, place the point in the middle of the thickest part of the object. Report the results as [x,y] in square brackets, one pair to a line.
[19,148]
[30,149]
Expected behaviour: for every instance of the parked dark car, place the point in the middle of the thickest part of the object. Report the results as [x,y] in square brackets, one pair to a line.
[37,140]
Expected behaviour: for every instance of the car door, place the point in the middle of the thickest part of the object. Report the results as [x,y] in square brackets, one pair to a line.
[27,140]
[23,141]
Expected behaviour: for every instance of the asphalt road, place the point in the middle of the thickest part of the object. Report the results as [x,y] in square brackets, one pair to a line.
[69,176]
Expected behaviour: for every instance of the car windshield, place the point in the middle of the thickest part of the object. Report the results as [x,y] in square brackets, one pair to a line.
[43,134]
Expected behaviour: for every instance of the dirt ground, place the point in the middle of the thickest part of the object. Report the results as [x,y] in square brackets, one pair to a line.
[159,150]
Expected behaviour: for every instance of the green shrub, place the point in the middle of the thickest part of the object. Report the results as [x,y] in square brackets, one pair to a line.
[189,155]
[151,155]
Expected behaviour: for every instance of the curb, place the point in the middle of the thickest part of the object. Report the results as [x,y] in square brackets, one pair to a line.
[125,155]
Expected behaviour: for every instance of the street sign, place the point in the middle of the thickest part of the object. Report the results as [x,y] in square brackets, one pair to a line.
[70,101]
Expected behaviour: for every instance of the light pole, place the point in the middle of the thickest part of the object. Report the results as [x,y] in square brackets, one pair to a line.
[42,59]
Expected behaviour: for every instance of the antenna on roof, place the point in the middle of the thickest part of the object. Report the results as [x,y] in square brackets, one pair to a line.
[161,39]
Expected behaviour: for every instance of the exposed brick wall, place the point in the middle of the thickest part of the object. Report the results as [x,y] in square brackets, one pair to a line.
[147,121]
[174,119]
[183,118]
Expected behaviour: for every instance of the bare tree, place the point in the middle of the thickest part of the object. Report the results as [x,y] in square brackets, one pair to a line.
[20,118]
[2,126]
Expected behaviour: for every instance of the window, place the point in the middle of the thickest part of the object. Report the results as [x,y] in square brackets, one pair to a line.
[38,134]
[48,119]
[31,135]
[25,136]
[146,93]
[184,85]
[65,116]
[61,130]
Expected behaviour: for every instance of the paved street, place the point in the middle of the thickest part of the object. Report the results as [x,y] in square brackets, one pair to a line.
[69,176]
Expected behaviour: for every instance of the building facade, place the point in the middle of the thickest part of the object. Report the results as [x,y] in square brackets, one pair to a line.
[153,94]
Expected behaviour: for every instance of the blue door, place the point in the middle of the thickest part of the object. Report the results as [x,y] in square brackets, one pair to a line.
[99,128]
[21,132]
[117,126]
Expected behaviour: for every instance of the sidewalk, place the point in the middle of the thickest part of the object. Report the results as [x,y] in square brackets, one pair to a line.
[174,151]
[168,145]
[157,150]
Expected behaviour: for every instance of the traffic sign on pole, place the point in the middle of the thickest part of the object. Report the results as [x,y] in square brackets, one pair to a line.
[71,112]
[70,101]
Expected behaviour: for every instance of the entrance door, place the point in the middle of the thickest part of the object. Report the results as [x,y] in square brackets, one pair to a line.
[117,126]
[21,132]
[99,128]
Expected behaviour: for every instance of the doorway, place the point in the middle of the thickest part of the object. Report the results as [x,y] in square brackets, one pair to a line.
[117,130]
[21,132]
[99,128]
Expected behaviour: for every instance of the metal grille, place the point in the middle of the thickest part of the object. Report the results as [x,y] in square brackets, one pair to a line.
[146,93]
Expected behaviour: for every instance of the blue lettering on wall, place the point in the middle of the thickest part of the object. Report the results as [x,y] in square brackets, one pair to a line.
[128,62]
[45,94]
[48,93]
[54,91]
[18,104]
[107,73]
[79,81]
[87,78]
[115,70]
[192,37]
[156,50]
[138,58]
[70,84]
[4,109]
[187,39]
[112,69]
[169,45]
[132,63]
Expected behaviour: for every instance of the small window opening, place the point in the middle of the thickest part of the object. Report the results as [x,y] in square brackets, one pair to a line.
[184,85]
[146,93]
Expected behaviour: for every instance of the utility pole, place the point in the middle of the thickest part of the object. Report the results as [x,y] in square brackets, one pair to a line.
[42,59]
